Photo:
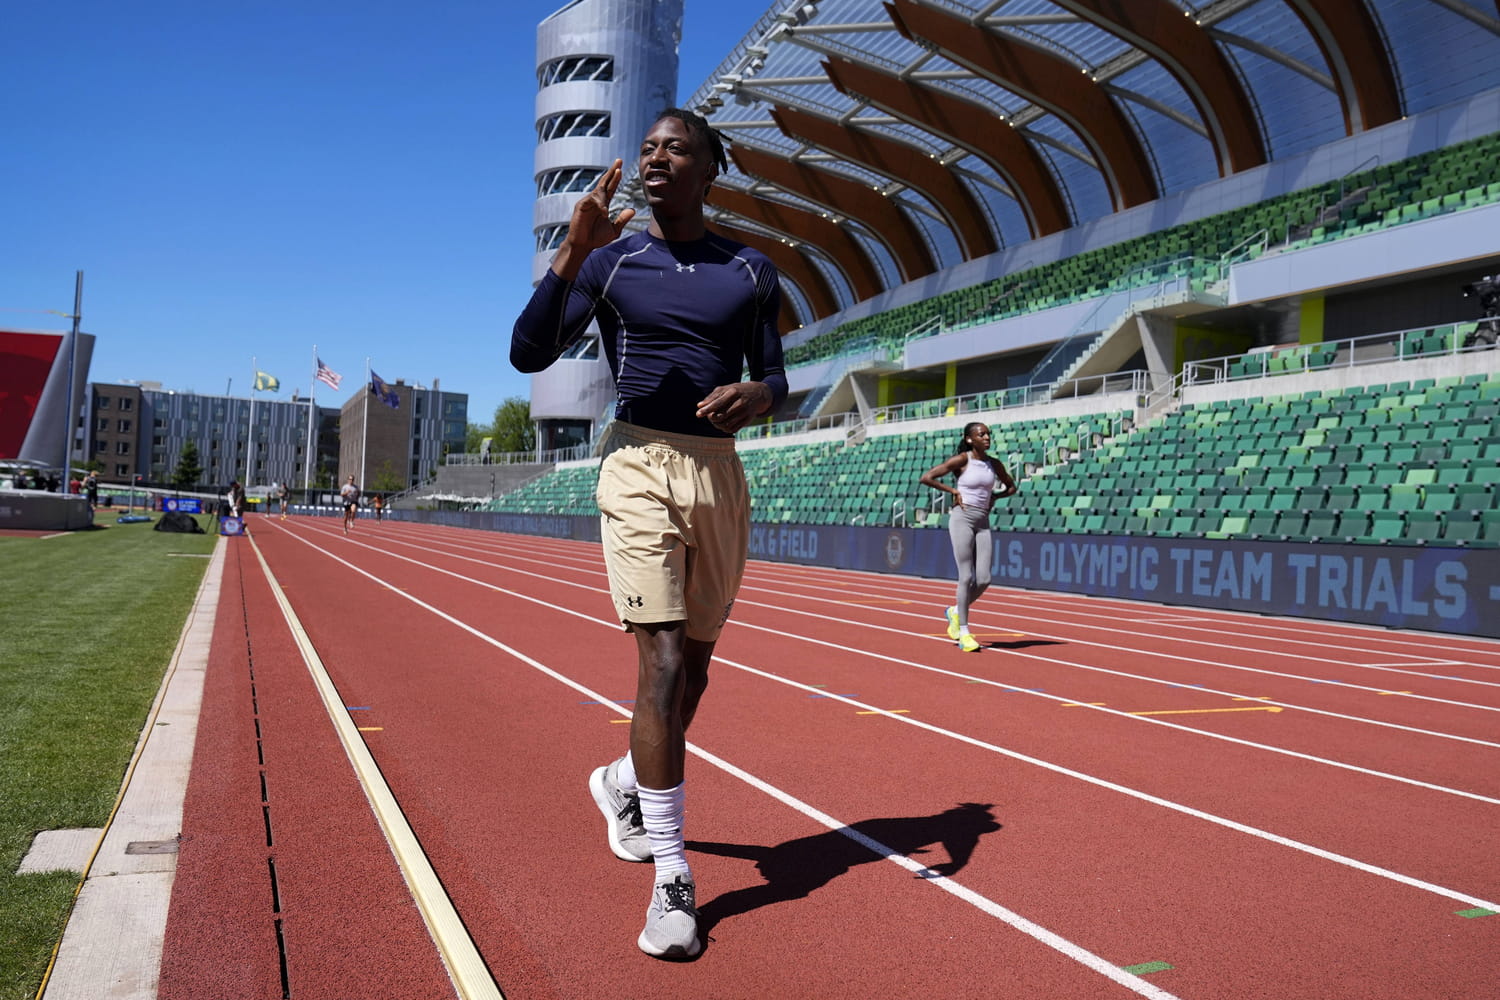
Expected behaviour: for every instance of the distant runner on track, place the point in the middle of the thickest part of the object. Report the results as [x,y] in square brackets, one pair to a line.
[349,494]
[974,495]
[682,312]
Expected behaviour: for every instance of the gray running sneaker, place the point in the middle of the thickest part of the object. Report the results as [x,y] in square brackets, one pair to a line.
[671,920]
[622,814]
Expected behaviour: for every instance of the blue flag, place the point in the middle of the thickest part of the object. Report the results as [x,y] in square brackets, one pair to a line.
[384,392]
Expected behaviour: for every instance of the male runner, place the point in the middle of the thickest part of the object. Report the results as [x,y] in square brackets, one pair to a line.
[682,311]
[349,494]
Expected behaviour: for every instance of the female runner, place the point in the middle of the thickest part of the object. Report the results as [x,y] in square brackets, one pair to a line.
[974,493]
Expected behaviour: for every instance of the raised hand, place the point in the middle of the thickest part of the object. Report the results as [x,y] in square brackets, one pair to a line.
[591,227]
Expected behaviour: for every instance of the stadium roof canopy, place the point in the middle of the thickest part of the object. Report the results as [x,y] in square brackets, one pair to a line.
[877,141]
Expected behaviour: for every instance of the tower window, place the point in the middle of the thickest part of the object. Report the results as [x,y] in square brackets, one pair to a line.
[571,68]
[572,124]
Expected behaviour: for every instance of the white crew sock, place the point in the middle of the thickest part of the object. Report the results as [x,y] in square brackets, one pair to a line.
[625,773]
[661,812]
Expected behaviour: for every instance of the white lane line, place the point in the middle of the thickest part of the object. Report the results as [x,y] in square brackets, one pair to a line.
[1024,614]
[1424,663]
[1014,652]
[1082,606]
[1020,620]
[460,954]
[1035,931]
[959,737]
[1371,638]
[1023,654]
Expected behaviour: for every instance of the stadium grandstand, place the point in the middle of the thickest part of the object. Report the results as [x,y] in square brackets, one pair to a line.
[1219,275]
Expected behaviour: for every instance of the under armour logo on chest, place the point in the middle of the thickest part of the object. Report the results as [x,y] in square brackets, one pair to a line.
[685,267]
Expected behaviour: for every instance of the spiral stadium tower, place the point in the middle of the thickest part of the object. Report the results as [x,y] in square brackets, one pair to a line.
[604,69]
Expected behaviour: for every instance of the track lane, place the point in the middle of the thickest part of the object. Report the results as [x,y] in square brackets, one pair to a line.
[716,682]
[1388,755]
[433,811]
[1297,647]
[279,850]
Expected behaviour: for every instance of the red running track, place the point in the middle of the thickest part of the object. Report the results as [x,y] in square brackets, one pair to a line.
[1111,799]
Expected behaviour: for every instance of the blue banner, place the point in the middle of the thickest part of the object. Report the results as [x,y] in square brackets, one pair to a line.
[1453,590]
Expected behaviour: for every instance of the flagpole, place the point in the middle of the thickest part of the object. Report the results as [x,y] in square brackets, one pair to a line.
[364,431]
[250,433]
[312,416]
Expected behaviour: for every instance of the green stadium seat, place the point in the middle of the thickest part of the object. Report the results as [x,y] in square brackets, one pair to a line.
[1453,470]
[1423,526]
[1460,527]
[1489,530]
[1291,524]
[1385,526]
[1352,526]
[1439,498]
[1262,524]
[1474,496]
[1340,497]
[1403,496]
[1321,524]
[1231,526]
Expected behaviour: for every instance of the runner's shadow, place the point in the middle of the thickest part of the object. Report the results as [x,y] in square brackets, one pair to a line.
[794,869]
[1023,644]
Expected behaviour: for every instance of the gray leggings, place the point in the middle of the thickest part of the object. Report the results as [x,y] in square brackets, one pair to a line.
[969,528]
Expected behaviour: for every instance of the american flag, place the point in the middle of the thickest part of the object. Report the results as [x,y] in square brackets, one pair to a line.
[327,375]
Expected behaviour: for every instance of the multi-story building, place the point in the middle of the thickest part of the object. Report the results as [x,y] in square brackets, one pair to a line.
[389,448]
[113,433]
[604,69]
[140,429]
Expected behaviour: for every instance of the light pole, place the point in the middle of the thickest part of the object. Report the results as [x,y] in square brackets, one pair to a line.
[72,418]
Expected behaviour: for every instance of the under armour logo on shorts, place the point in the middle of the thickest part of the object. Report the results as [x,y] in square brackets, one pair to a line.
[635,602]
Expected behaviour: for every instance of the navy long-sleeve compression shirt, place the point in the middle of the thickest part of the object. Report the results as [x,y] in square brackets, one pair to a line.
[678,320]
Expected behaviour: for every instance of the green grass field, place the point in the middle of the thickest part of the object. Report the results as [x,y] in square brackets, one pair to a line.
[88,622]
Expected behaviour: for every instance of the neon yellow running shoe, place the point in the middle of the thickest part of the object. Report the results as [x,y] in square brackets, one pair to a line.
[953,626]
[968,643]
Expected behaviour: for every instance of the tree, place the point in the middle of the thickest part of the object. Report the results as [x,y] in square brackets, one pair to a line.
[386,479]
[474,437]
[513,429]
[188,471]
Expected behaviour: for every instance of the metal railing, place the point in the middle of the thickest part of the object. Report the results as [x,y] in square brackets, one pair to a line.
[1393,345]
[1015,397]
[802,425]
[549,457]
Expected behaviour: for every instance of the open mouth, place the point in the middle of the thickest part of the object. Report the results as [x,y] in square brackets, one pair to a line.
[656,178]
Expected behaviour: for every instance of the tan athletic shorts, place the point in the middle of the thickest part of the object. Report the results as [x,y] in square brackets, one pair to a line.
[674,513]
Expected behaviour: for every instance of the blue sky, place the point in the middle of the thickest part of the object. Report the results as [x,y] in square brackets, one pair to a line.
[245,178]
